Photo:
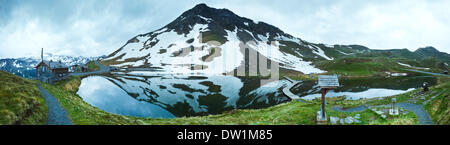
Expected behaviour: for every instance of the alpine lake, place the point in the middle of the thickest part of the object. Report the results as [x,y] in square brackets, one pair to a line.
[170,96]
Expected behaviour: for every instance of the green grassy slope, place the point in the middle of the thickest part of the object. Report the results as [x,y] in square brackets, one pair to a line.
[359,66]
[20,101]
[373,66]
[438,108]
[380,59]
[92,66]
[80,112]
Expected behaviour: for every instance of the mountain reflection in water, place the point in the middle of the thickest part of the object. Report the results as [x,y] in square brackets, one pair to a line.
[171,96]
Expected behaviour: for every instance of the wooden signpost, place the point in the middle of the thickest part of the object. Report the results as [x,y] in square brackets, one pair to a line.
[326,83]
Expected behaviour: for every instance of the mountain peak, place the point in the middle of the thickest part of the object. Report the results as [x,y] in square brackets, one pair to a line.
[430,51]
[219,20]
[428,48]
[199,9]
[201,6]
[206,11]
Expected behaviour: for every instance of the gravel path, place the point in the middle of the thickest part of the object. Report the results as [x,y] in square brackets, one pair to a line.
[422,115]
[56,114]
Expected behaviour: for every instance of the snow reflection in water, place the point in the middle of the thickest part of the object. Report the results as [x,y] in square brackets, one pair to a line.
[171,96]
[168,96]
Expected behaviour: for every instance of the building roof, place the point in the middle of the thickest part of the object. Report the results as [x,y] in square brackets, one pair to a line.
[79,64]
[52,64]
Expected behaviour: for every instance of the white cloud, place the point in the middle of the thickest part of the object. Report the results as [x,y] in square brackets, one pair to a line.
[384,24]
[93,28]
[82,29]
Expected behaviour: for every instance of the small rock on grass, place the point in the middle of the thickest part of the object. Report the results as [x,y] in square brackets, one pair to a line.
[349,120]
[334,120]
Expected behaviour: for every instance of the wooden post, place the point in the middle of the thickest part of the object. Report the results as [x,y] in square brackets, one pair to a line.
[324,92]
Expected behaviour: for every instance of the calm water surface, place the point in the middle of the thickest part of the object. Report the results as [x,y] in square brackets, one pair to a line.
[365,88]
[169,96]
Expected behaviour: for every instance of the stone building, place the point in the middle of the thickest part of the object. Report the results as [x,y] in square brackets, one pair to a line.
[51,71]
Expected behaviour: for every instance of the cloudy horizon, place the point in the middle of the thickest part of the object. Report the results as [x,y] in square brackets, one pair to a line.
[99,27]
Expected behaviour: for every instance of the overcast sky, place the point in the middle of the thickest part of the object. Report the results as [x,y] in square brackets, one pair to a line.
[99,27]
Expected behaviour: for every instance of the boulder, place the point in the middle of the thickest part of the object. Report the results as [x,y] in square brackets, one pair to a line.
[349,120]
[334,120]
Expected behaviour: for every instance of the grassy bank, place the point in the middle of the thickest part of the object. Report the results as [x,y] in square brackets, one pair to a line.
[92,66]
[438,108]
[80,112]
[21,103]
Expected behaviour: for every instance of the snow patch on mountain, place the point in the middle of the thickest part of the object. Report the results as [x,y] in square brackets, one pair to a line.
[206,19]
[328,45]
[407,65]
[344,52]
[290,61]
[293,39]
[320,52]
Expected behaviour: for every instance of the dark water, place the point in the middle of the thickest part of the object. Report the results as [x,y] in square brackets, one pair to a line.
[168,96]
[366,88]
